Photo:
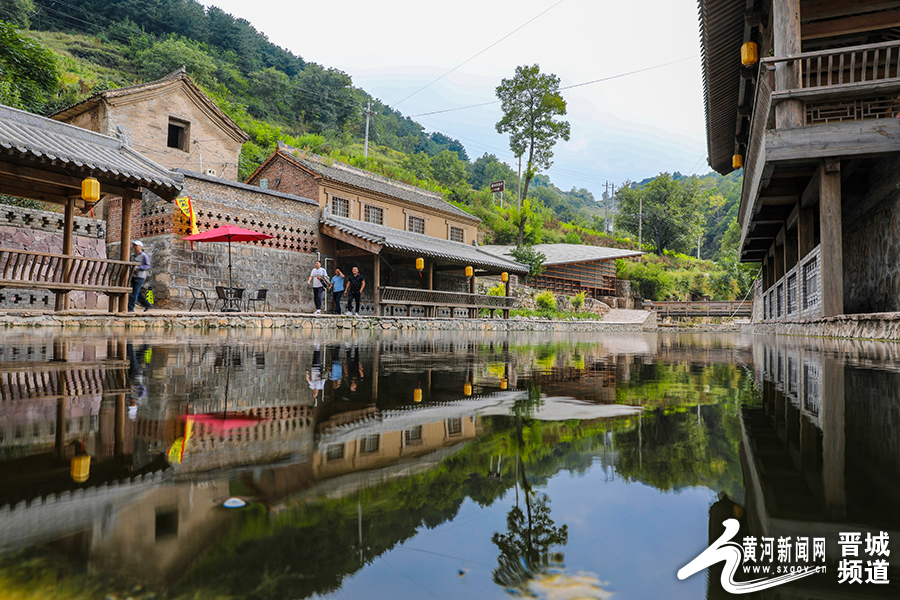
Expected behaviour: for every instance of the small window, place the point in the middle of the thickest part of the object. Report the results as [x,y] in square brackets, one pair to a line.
[457,234]
[334,452]
[369,444]
[166,523]
[374,214]
[179,134]
[340,207]
[264,183]
[413,437]
[415,224]
[454,427]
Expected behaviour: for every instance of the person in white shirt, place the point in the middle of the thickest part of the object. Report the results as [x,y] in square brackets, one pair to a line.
[315,277]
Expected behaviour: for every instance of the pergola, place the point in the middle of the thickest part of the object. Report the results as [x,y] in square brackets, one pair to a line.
[42,159]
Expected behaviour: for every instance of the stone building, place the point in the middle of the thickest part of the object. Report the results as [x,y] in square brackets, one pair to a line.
[804,97]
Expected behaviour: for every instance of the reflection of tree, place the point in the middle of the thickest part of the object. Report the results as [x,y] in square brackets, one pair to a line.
[525,548]
[523,408]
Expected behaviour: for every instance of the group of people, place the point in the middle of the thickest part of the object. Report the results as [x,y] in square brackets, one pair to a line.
[338,284]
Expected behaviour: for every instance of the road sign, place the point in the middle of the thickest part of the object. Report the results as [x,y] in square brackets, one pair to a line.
[496,187]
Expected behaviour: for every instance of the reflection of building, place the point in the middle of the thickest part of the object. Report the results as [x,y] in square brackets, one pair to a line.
[820,455]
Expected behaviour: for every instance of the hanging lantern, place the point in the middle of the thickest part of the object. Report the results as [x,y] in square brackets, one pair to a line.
[420,263]
[467,389]
[737,161]
[504,383]
[469,271]
[417,395]
[81,468]
[749,54]
[504,276]
[90,190]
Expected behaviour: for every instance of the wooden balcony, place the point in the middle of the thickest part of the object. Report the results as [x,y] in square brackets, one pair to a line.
[798,294]
[434,300]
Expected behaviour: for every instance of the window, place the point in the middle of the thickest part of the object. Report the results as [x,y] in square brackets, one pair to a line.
[810,284]
[458,234]
[779,295]
[166,523]
[179,134]
[374,214]
[415,224]
[334,452]
[792,294]
[413,436]
[369,444]
[454,427]
[340,207]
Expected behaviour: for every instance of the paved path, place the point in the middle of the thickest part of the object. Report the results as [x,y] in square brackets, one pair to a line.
[620,315]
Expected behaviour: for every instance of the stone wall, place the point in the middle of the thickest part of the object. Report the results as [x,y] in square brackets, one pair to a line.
[883,326]
[871,240]
[42,231]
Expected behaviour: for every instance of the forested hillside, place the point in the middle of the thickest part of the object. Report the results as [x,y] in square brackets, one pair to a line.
[54,53]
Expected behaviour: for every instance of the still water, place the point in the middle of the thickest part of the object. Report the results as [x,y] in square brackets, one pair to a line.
[444,465]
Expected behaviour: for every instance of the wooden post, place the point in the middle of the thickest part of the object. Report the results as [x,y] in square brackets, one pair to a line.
[779,262]
[430,311]
[119,443]
[829,174]
[765,274]
[806,234]
[786,29]
[506,310]
[62,300]
[376,290]
[791,247]
[834,439]
[473,312]
[125,237]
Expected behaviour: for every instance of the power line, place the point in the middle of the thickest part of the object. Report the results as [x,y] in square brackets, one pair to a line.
[482,52]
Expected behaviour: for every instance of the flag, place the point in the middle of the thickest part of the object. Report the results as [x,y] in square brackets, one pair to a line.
[187,208]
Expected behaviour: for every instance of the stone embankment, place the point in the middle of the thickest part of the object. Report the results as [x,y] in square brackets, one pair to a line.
[616,321]
[870,326]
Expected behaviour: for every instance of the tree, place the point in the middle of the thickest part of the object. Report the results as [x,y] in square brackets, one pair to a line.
[447,169]
[29,78]
[530,101]
[171,54]
[16,12]
[671,211]
[527,255]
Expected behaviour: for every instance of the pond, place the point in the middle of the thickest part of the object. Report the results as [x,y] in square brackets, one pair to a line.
[447,465]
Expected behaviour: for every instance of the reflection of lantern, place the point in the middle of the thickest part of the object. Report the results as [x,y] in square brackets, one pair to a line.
[737,161]
[417,394]
[504,383]
[504,276]
[469,271]
[467,389]
[90,190]
[81,468]
[737,511]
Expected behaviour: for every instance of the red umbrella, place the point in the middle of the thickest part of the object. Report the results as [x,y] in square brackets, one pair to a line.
[226,234]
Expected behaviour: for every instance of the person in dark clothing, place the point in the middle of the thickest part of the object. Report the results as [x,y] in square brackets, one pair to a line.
[139,277]
[356,283]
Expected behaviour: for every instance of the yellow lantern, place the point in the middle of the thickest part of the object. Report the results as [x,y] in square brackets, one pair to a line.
[749,54]
[467,389]
[417,394]
[469,271]
[504,383]
[504,276]
[81,468]
[90,190]
[737,161]
[420,263]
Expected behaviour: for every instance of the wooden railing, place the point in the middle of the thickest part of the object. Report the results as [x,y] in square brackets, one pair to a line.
[61,274]
[430,299]
[736,308]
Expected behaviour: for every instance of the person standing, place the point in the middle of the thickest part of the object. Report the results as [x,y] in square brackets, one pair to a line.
[139,277]
[356,283]
[337,289]
[315,277]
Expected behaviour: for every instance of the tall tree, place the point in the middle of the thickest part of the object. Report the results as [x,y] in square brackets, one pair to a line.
[672,214]
[530,103]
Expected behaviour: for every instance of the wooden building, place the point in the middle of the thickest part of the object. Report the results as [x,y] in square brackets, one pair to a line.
[804,95]
[574,268]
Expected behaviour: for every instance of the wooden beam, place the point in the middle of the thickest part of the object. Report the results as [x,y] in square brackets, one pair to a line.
[791,221]
[786,28]
[832,242]
[851,24]
[72,183]
[853,138]
[350,253]
[811,10]
[335,233]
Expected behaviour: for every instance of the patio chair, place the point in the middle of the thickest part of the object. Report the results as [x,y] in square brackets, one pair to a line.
[198,294]
[221,296]
[260,297]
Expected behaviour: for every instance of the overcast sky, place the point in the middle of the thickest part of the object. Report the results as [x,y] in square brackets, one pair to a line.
[629,127]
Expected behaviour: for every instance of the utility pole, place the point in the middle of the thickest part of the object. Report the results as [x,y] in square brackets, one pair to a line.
[606,211]
[519,191]
[640,225]
[613,198]
[699,239]
[366,147]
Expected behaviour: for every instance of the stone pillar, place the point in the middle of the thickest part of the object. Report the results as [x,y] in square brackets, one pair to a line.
[786,29]
[829,175]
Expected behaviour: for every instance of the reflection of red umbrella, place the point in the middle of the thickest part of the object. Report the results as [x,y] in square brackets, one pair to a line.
[227,234]
[224,421]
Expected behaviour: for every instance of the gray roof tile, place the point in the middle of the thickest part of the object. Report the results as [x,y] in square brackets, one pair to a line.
[424,245]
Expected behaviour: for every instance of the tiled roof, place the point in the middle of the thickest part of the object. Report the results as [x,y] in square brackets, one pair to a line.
[32,138]
[389,187]
[424,245]
[558,254]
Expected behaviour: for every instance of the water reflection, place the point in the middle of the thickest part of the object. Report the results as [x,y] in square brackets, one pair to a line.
[432,464]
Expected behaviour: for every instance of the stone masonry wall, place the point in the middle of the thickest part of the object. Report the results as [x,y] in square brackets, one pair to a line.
[280,264]
[42,231]
[283,176]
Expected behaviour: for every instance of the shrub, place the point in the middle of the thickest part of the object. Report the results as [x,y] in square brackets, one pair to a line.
[545,301]
[497,290]
[578,301]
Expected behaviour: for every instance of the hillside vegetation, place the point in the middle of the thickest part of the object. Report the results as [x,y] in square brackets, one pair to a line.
[56,53]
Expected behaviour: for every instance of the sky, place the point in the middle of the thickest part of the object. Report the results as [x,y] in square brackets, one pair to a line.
[625,128]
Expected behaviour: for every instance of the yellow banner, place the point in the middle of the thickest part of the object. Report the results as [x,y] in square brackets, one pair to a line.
[188,209]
